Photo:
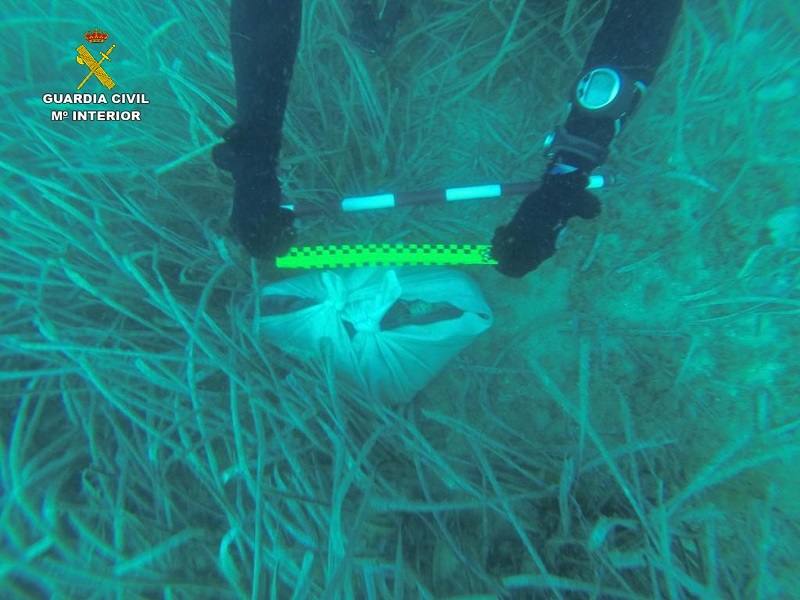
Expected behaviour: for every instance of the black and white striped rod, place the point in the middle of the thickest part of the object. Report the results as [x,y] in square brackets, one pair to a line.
[454,194]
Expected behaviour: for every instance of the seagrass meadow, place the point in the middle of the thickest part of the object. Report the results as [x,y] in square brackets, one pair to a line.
[628,428]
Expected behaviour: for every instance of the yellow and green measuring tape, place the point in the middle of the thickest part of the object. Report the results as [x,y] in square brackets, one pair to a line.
[385,255]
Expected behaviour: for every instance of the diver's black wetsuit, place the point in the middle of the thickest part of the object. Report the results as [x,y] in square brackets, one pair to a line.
[634,38]
[264,37]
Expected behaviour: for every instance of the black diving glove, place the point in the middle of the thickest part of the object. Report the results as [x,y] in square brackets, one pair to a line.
[530,237]
[261,225]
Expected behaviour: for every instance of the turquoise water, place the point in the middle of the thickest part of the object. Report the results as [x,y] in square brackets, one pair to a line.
[627,427]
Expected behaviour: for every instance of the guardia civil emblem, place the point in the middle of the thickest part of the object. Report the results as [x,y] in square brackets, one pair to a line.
[95,67]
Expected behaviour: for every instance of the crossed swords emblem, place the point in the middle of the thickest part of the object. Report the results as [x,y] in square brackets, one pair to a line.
[84,57]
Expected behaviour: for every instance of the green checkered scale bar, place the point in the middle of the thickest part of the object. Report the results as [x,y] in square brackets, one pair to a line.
[385,255]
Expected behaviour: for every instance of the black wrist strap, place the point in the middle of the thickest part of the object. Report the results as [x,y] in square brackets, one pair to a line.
[576,150]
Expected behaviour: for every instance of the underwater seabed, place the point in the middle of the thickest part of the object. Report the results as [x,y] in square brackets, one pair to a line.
[628,427]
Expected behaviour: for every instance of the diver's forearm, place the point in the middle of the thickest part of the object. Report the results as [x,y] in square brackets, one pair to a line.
[630,45]
[264,40]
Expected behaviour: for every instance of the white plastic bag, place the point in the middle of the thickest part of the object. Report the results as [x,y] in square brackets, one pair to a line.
[391,330]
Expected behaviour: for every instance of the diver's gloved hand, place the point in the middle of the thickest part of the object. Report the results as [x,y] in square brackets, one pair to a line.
[263,228]
[530,237]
